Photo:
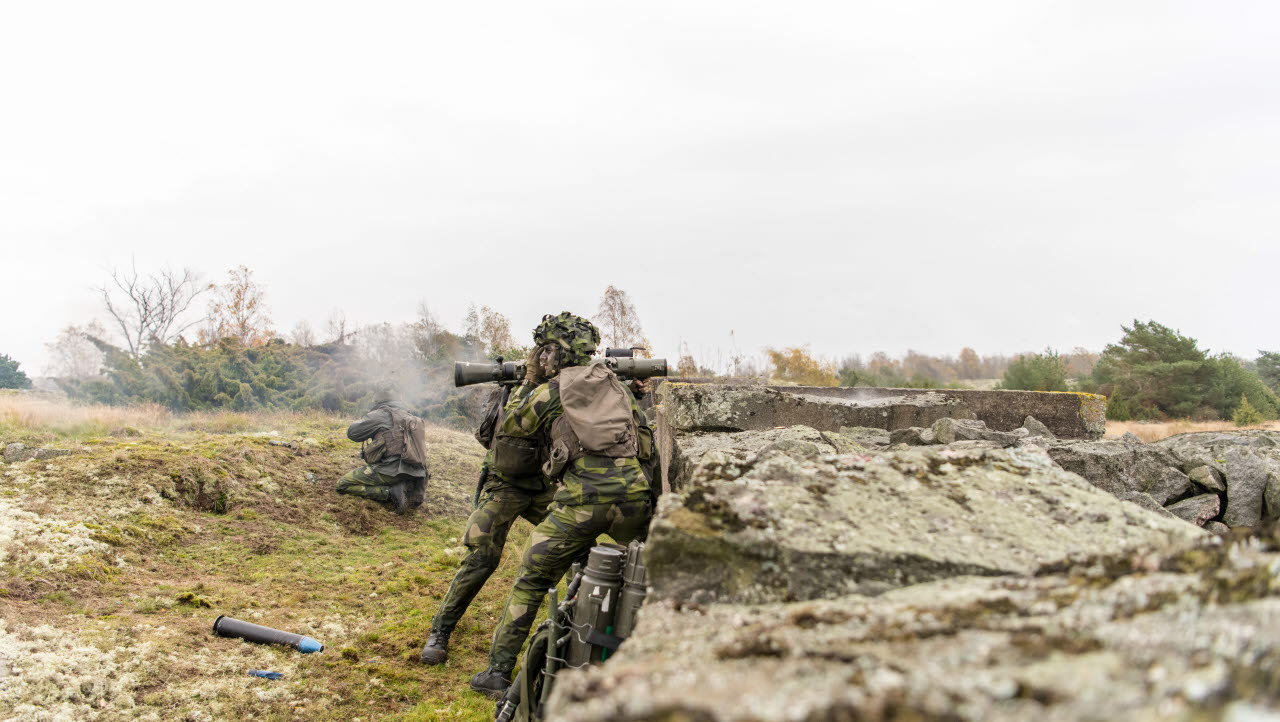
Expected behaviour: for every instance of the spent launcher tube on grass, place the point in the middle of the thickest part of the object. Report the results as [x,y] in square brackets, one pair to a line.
[621,361]
[225,626]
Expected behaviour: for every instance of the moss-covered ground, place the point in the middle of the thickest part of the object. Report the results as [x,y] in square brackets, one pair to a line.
[116,559]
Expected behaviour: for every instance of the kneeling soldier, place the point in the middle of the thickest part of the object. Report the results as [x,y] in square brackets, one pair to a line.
[394,449]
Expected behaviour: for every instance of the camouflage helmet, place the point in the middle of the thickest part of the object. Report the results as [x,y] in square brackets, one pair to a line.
[576,336]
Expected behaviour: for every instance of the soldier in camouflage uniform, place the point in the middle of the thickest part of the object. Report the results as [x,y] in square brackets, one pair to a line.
[501,500]
[598,494]
[396,483]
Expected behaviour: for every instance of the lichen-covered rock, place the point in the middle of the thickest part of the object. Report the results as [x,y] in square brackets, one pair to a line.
[1209,478]
[949,431]
[18,452]
[688,449]
[1119,467]
[795,523]
[1244,459]
[912,436]
[1145,501]
[1198,509]
[21,452]
[1140,637]
[42,454]
[1035,428]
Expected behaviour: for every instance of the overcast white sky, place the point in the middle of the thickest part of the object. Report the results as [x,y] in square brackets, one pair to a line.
[853,176]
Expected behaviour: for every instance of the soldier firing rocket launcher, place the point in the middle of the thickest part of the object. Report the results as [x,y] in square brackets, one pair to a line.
[621,360]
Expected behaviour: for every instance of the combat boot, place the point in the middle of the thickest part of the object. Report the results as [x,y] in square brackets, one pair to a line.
[398,499]
[436,650]
[491,683]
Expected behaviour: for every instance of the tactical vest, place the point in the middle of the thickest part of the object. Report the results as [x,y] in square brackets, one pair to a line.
[597,418]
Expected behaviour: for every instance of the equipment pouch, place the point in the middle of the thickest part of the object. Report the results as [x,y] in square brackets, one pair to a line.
[555,464]
[374,450]
[514,456]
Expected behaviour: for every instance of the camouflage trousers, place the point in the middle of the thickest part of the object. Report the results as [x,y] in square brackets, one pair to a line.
[370,484]
[564,536]
[496,509]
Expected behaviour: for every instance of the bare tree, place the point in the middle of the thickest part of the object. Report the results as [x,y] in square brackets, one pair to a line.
[150,309]
[238,311]
[302,335]
[618,321]
[490,329]
[335,329]
[73,355]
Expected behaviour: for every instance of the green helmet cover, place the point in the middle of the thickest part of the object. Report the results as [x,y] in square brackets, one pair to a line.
[576,336]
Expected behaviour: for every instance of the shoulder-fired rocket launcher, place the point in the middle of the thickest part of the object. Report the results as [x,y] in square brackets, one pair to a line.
[621,361]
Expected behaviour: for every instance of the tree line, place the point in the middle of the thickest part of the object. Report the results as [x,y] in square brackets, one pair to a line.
[160,350]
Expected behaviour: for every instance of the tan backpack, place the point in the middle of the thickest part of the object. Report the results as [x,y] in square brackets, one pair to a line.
[407,439]
[597,418]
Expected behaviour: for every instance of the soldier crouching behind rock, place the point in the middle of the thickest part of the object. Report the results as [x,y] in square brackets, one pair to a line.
[394,449]
[587,427]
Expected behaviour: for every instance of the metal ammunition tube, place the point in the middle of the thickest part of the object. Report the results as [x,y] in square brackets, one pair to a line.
[634,579]
[225,626]
[597,604]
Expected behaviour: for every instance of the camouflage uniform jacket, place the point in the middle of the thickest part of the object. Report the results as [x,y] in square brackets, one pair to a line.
[379,419]
[532,482]
[591,479]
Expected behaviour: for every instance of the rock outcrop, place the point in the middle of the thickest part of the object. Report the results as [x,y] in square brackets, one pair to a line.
[21,452]
[1187,636]
[795,521]
[948,570]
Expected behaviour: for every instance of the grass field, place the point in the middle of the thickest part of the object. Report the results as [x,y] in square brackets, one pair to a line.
[1150,431]
[115,561]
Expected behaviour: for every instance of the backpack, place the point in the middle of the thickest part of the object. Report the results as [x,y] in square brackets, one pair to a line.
[407,439]
[491,417]
[597,418]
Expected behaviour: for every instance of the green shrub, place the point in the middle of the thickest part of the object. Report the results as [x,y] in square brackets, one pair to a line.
[1155,372]
[12,377]
[1245,414]
[1036,372]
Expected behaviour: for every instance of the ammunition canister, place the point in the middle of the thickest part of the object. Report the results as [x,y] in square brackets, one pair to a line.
[597,604]
[634,578]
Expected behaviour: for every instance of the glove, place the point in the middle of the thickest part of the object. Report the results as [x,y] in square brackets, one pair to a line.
[533,371]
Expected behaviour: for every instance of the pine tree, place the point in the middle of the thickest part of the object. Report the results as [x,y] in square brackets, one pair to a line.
[1245,414]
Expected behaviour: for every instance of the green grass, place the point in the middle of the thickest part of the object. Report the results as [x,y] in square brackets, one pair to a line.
[283,550]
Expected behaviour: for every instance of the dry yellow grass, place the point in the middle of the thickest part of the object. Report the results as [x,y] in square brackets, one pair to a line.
[1150,431]
[45,417]
[51,414]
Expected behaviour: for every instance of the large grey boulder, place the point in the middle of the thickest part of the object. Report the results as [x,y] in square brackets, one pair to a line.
[1117,641]
[1246,460]
[949,431]
[687,449]
[1198,509]
[1119,467]
[796,523]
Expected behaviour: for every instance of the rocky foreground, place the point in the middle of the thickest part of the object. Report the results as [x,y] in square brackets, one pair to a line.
[952,572]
